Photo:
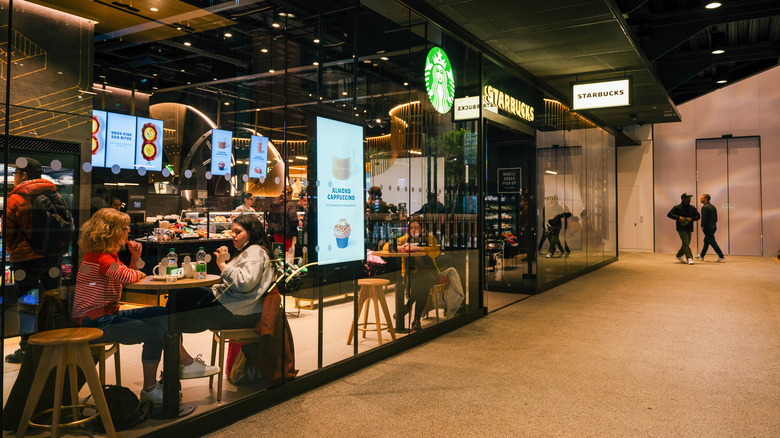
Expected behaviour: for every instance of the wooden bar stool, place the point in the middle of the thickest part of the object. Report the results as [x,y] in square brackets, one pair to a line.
[372,289]
[433,300]
[65,349]
[103,352]
[222,337]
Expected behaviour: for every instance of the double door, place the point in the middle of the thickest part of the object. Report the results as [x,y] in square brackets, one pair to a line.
[729,170]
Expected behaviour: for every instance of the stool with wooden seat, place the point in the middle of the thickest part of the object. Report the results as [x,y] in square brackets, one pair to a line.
[103,352]
[433,300]
[372,289]
[65,349]
[222,337]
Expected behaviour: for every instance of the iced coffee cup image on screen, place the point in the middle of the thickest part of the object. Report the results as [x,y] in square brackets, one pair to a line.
[341,232]
[343,161]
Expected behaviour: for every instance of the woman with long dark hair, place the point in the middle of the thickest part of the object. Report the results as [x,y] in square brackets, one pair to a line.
[237,301]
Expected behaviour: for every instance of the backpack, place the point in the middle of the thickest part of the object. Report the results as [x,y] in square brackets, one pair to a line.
[125,408]
[52,224]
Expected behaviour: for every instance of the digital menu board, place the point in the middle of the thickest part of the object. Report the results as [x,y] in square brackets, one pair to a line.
[221,151]
[120,141]
[258,157]
[148,151]
[99,122]
[340,204]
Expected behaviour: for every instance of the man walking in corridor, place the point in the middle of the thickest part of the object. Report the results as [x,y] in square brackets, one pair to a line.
[709,219]
[684,215]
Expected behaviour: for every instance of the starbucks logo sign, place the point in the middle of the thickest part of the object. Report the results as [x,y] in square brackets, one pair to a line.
[439,81]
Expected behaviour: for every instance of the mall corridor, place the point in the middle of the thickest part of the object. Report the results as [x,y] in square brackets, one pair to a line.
[644,347]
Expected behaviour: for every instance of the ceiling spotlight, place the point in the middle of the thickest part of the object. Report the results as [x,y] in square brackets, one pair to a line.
[384,58]
[178,27]
[285,14]
[275,25]
[227,103]
[316,40]
[153,9]
[182,70]
[344,93]
[264,50]
[406,84]
[713,5]
[271,71]
[228,34]
[316,63]
[187,43]
[366,61]
[718,43]
[721,75]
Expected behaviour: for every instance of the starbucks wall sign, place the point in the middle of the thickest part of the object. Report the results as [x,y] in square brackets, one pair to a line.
[439,80]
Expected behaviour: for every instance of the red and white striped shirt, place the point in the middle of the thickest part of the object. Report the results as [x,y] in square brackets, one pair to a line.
[99,285]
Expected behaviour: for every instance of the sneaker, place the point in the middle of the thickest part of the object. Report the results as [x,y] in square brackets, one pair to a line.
[690,261]
[197,368]
[155,395]
[549,255]
[698,257]
[416,326]
[681,259]
[720,260]
[15,357]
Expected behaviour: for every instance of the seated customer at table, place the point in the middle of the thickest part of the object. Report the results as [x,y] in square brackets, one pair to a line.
[99,288]
[420,272]
[236,302]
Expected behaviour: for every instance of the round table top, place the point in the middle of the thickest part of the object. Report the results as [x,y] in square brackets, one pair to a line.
[65,336]
[149,283]
[400,254]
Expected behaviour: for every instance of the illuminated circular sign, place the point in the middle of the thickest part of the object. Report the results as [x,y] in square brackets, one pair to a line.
[439,80]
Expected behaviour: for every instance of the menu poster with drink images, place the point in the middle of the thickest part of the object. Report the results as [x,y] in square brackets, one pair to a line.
[120,141]
[221,151]
[340,203]
[258,157]
[99,123]
[149,140]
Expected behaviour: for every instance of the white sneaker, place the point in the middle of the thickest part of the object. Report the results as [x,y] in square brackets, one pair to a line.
[690,261]
[720,260]
[155,395]
[698,257]
[549,255]
[198,368]
[681,259]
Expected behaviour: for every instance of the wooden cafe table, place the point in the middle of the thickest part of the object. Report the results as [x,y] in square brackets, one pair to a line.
[170,407]
[399,295]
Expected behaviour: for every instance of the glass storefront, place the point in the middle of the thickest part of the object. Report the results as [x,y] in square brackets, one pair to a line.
[397,173]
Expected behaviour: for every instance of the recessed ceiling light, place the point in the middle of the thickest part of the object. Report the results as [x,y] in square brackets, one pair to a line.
[271,71]
[718,52]
[227,103]
[178,27]
[316,63]
[187,43]
[366,61]
[721,81]
[153,9]
[154,74]
[228,34]
[344,93]
[384,58]
[713,5]
[316,40]
[275,25]
[406,84]
[182,70]
[264,50]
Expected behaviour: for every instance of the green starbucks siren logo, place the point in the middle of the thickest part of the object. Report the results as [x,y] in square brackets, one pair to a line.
[439,81]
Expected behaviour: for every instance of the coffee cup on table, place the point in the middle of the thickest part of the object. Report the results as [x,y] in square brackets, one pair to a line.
[160,269]
[189,269]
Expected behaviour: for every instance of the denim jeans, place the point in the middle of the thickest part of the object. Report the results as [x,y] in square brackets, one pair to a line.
[136,326]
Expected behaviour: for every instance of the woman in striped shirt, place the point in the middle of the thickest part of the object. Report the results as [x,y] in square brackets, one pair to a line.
[99,288]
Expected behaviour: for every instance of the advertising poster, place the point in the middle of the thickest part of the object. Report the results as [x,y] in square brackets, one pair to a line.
[221,151]
[149,141]
[340,203]
[99,138]
[258,157]
[120,141]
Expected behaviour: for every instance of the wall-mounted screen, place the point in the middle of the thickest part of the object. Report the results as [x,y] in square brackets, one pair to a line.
[149,140]
[258,157]
[221,151]
[340,203]
[120,141]
[99,122]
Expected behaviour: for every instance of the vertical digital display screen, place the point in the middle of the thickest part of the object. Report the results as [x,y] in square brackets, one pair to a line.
[221,151]
[149,141]
[120,141]
[340,203]
[99,129]
[258,157]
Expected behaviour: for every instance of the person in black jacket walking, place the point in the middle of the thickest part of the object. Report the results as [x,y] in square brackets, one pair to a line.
[684,215]
[709,219]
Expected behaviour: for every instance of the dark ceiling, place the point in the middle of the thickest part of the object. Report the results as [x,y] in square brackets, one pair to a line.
[664,45]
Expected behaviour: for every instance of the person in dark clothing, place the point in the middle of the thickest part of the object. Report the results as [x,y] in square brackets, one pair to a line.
[283,219]
[709,219]
[432,206]
[375,204]
[684,215]
[555,225]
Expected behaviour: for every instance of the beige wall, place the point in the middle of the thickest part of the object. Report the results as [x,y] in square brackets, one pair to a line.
[747,108]
[635,192]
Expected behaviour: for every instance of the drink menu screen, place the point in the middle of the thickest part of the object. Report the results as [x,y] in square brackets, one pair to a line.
[149,140]
[340,203]
[99,125]
[258,157]
[120,141]
[221,151]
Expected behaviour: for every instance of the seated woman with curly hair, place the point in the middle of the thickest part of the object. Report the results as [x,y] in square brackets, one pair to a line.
[99,288]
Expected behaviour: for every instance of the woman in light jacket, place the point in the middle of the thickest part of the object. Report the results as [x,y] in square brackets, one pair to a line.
[236,302]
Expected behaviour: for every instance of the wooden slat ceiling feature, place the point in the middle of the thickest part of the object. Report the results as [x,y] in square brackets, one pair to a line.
[134,21]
